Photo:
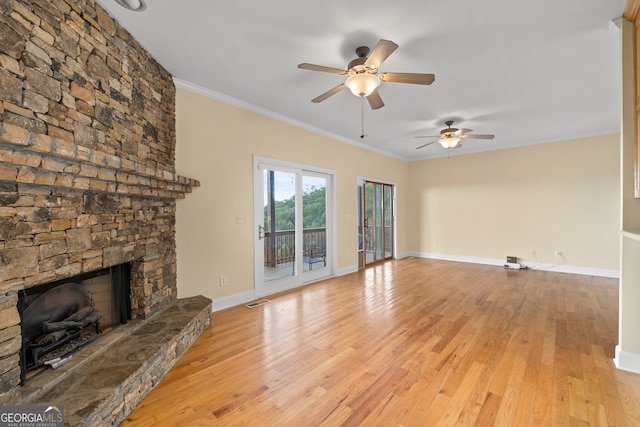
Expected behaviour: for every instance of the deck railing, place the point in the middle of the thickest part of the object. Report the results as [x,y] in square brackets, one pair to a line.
[280,248]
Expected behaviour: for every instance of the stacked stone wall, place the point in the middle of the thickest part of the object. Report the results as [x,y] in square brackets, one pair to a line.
[87,167]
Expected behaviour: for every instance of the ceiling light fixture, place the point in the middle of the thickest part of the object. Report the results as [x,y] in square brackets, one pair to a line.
[362,84]
[449,141]
[134,5]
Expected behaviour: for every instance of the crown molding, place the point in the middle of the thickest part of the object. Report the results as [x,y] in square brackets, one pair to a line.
[181,84]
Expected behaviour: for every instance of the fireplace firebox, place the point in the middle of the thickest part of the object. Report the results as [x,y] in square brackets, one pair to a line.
[60,317]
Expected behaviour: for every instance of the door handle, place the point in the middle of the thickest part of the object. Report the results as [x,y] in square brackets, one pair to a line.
[260,232]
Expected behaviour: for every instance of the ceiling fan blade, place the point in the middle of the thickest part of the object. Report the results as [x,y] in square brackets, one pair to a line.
[427,136]
[464,130]
[375,101]
[322,68]
[413,78]
[472,136]
[383,49]
[428,143]
[329,93]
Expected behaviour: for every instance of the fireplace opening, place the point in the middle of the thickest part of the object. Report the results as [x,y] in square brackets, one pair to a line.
[60,317]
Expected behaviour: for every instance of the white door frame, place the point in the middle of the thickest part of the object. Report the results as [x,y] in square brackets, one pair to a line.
[260,288]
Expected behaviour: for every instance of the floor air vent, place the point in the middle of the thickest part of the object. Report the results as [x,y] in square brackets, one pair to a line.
[257,303]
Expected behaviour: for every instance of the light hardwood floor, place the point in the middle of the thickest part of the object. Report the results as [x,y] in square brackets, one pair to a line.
[413,342]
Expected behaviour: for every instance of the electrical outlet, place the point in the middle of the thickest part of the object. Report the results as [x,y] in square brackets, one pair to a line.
[533,252]
[241,219]
[223,280]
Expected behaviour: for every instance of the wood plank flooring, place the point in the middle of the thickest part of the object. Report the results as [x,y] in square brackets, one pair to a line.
[412,342]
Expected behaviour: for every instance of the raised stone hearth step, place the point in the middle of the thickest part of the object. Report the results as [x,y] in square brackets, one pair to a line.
[106,380]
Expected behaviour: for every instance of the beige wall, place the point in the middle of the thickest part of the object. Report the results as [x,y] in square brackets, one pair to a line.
[216,145]
[562,196]
[559,196]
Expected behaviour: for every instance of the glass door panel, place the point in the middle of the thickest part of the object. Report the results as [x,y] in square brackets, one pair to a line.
[378,222]
[387,220]
[314,218]
[292,212]
[279,224]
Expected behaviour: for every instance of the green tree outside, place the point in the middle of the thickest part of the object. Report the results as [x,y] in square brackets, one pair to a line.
[313,211]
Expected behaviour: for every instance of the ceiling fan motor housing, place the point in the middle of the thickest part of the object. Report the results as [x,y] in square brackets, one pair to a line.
[362,51]
[357,65]
[450,130]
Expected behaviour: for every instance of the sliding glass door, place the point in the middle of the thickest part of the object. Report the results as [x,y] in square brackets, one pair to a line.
[377,221]
[293,225]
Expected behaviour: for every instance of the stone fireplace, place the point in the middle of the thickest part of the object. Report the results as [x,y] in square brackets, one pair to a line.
[87,175]
[58,318]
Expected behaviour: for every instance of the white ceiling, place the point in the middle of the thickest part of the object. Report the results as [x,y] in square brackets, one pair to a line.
[527,71]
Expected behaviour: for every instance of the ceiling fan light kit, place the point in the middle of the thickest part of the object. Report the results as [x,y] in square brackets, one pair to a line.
[134,5]
[363,78]
[449,141]
[450,137]
[362,84]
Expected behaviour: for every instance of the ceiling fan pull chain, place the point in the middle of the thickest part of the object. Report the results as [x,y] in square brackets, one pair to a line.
[362,116]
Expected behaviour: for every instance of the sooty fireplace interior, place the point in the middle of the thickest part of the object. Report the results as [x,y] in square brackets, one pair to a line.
[63,316]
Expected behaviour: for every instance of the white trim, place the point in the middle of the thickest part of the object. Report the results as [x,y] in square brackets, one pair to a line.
[259,110]
[626,361]
[573,269]
[458,258]
[261,288]
[634,235]
[287,286]
[347,270]
[258,273]
[248,296]
[260,161]
[232,300]
[402,255]
[361,179]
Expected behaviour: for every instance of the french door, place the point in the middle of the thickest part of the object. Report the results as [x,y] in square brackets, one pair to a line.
[377,221]
[293,225]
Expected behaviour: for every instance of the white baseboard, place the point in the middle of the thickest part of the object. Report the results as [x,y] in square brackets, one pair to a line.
[248,296]
[573,269]
[587,271]
[346,270]
[458,258]
[232,300]
[626,361]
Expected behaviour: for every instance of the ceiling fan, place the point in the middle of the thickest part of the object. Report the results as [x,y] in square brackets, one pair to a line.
[363,78]
[450,137]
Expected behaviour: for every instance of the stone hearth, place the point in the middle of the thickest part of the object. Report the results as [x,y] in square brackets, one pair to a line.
[104,383]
